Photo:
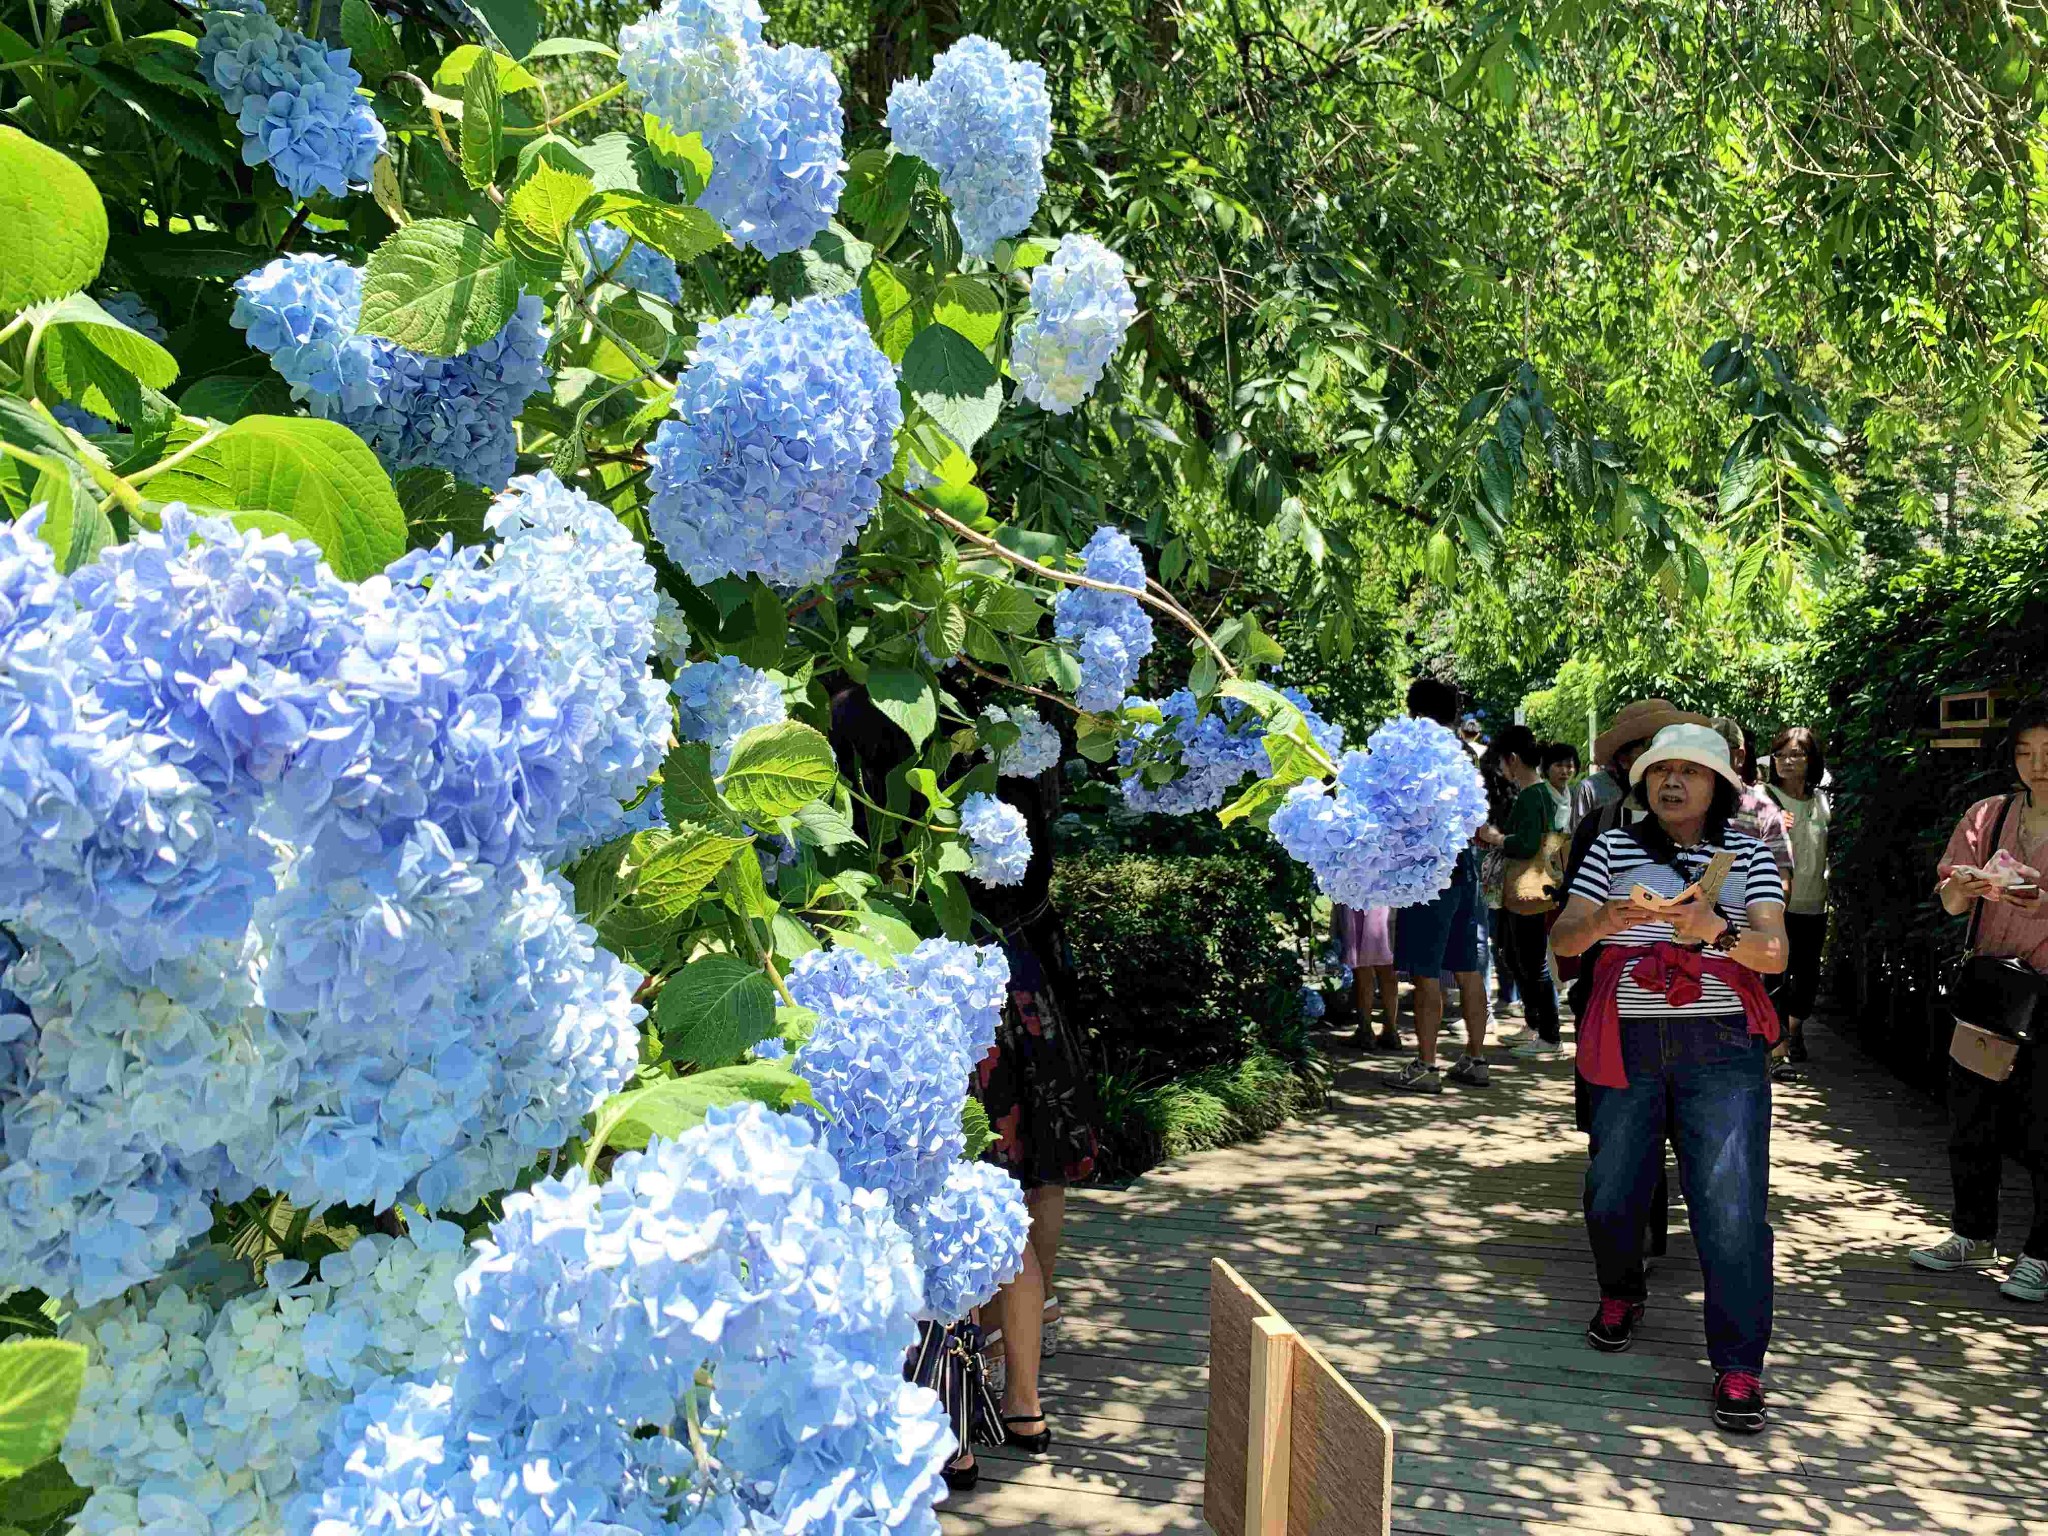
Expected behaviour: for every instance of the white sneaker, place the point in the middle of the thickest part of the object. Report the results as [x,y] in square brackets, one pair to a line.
[1536,1048]
[2028,1280]
[1955,1252]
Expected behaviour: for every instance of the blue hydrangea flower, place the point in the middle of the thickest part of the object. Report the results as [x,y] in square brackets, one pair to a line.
[694,63]
[784,428]
[1312,1004]
[721,700]
[671,632]
[129,309]
[1081,305]
[1113,633]
[969,1236]
[206,1393]
[890,1058]
[777,173]
[1214,752]
[984,123]
[1390,832]
[295,101]
[727,1281]
[998,838]
[644,268]
[454,413]
[1036,749]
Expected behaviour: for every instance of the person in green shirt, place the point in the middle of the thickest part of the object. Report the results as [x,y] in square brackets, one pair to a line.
[1532,834]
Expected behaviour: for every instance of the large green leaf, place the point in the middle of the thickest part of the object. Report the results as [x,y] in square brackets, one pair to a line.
[540,210]
[657,883]
[957,386]
[483,137]
[1743,472]
[776,769]
[681,234]
[231,396]
[713,1010]
[39,1382]
[42,1500]
[374,49]
[439,287]
[971,307]
[905,697]
[515,23]
[689,791]
[1496,480]
[73,524]
[669,1108]
[56,226]
[94,361]
[317,473]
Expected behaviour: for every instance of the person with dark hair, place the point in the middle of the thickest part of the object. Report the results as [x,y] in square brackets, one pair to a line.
[1534,846]
[1502,786]
[1560,766]
[1756,813]
[1798,767]
[1676,1037]
[1035,1083]
[2008,919]
[1444,935]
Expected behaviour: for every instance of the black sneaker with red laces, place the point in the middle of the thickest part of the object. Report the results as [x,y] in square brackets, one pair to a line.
[1739,1403]
[1613,1327]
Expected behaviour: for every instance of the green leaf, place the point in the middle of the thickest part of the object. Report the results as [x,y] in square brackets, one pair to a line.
[948,895]
[1256,805]
[955,384]
[682,155]
[658,881]
[628,1120]
[483,138]
[1743,472]
[452,73]
[541,208]
[690,793]
[682,234]
[437,505]
[1496,480]
[73,524]
[43,1498]
[563,47]
[56,225]
[821,824]
[515,23]
[890,308]
[1012,610]
[974,1124]
[714,1010]
[231,396]
[906,698]
[971,307]
[373,45]
[317,473]
[777,769]
[439,287]
[92,360]
[39,1382]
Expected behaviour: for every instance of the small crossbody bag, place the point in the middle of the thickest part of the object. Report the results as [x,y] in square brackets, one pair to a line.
[1995,994]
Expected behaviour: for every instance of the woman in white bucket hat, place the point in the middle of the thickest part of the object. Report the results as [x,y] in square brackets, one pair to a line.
[1677,1034]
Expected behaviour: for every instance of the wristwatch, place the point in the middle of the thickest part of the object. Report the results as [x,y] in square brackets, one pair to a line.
[1726,939]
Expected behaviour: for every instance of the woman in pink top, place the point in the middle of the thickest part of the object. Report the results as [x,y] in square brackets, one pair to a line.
[2014,923]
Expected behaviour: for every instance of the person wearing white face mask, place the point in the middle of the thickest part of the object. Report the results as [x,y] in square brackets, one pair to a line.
[1676,1036]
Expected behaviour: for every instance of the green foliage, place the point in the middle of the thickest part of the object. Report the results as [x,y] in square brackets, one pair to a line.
[39,1382]
[1211,1107]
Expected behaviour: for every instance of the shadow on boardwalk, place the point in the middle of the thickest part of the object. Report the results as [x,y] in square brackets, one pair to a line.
[1433,1248]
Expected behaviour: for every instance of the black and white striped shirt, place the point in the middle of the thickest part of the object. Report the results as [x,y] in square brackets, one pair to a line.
[1616,864]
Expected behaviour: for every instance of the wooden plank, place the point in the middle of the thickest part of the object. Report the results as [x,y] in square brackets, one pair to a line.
[1269,1437]
[1233,1308]
[1343,1472]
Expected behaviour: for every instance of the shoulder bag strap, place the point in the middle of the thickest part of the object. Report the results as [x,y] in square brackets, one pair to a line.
[1977,906]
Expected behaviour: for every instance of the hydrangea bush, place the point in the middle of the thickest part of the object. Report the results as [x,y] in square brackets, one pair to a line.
[470,1059]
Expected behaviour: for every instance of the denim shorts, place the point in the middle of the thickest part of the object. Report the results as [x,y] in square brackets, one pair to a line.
[1442,935]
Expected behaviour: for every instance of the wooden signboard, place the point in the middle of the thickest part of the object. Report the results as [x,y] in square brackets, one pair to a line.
[1293,1450]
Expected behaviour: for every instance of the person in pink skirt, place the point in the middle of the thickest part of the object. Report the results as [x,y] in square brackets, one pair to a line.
[1365,940]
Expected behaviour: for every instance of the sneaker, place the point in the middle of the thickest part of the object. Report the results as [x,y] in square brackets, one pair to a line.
[1739,1403]
[1613,1327]
[1389,1041]
[1795,1047]
[1955,1252]
[1514,1010]
[2028,1280]
[1417,1078]
[1471,1071]
[1786,1071]
[1536,1048]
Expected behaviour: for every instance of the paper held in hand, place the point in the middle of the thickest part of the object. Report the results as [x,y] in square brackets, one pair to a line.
[2002,869]
[1709,884]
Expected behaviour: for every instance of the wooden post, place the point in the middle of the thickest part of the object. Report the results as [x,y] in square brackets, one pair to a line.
[1269,1446]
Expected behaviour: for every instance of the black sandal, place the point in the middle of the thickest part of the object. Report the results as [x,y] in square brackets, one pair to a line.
[961,1479]
[1035,1444]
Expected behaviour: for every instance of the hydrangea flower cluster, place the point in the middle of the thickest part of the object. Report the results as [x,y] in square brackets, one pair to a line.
[777,173]
[1312,1004]
[1391,832]
[720,700]
[1036,749]
[671,632]
[998,838]
[206,1394]
[1113,633]
[984,123]
[1214,751]
[783,430]
[257,825]
[693,63]
[970,1234]
[726,1289]
[1081,305]
[453,413]
[643,269]
[294,100]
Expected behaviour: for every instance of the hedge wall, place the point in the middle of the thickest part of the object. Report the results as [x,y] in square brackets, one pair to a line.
[1888,651]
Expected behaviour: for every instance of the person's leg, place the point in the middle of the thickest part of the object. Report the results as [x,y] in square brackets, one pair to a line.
[1721,1113]
[1808,935]
[1528,945]
[1390,1002]
[1973,1154]
[1020,1312]
[1472,996]
[1429,1016]
[1507,982]
[1624,1157]
[1048,1203]
[1422,936]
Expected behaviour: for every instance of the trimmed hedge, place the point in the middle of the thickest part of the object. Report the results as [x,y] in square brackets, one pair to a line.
[1888,651]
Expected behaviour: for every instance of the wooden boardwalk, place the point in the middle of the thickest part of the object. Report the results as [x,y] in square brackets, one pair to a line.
[1433,1248]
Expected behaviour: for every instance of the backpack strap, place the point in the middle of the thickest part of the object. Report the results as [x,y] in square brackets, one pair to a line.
[1977,906]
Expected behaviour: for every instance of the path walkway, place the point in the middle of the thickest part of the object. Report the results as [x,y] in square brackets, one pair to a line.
[1433,1249]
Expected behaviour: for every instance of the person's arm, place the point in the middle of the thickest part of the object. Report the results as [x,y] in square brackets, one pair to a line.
[1958,891]
[1587,922]
[1527,823]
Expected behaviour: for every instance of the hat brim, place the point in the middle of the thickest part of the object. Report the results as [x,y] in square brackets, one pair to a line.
[1617,736]
[1644,763]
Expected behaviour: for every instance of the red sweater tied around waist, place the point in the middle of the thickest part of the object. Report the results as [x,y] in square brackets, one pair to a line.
[1673,971]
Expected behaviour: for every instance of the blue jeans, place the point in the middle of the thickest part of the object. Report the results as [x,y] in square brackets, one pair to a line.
[1708,1081]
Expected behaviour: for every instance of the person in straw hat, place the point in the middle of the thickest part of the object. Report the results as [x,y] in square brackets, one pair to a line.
[1676,1037]
[1614,753]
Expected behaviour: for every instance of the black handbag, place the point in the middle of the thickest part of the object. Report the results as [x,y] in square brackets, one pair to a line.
[948,1360]
[1998,995]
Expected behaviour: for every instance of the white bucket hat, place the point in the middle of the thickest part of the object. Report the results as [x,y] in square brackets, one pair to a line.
[1700,744]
